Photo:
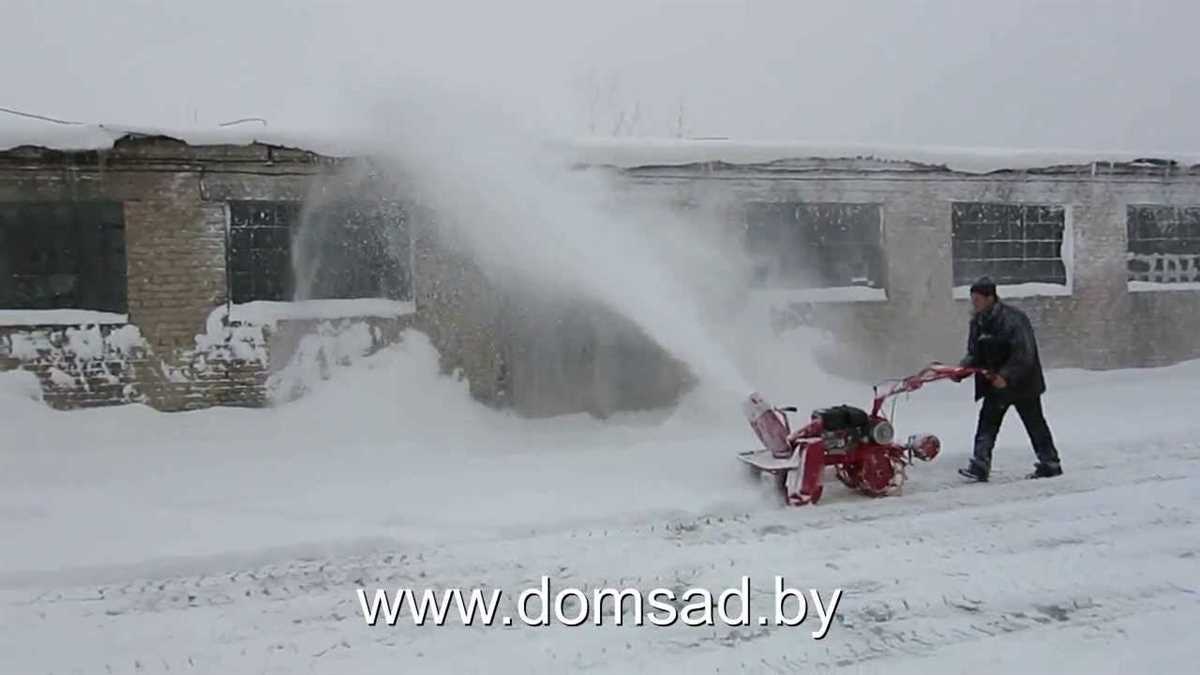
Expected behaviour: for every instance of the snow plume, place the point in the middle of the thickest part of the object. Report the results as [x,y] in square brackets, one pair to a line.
[530,222]
[344,216]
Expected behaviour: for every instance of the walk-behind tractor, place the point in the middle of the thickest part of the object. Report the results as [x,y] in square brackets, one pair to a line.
[859,444]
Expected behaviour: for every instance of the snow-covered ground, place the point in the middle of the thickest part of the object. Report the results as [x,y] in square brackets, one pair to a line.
[233,541]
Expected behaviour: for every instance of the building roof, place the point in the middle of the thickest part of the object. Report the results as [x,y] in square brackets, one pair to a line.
[82,137]
[622,153]
[635,153]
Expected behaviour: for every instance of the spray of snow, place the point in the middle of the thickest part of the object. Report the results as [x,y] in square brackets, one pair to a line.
[528,222]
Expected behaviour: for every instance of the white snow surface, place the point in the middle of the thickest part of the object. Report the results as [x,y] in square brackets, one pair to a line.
[622,152]
[266,312]
[59,317]
[232,540]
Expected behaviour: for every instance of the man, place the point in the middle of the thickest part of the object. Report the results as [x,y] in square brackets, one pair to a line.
[1001,342]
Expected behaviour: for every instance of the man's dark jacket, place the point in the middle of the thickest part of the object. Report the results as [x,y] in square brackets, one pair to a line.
[1001,340]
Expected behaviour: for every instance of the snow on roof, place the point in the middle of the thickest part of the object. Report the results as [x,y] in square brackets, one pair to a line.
[67,137]
[631,153]
[624,153]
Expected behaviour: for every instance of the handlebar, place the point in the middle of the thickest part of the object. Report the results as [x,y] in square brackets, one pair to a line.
[933,372]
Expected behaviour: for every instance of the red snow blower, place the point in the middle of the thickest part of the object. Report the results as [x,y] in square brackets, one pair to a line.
[860,444]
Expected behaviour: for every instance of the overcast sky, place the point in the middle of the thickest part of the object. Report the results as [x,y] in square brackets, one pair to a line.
[1023,73]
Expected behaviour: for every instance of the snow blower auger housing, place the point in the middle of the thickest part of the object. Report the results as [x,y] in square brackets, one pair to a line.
[860,444]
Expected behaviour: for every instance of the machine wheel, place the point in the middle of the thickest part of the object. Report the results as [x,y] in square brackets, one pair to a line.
[876,474]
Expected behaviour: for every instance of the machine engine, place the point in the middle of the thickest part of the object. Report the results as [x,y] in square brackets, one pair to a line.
[845,426]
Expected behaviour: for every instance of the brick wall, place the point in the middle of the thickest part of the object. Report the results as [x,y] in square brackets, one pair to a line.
[177,351]
[78,366]
[1100,325]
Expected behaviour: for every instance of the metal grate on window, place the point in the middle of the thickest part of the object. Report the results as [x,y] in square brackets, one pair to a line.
[1011,243]
[1163,243]
[260,264]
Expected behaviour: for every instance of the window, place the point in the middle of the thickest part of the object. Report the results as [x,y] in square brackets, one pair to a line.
[815,245]
[260,241]
[1163,244]
[342,250]
[1011,243]
[356,250]
[64,255]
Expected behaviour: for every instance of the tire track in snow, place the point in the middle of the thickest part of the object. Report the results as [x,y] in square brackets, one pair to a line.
[888,626]
[301,611]
[846,507]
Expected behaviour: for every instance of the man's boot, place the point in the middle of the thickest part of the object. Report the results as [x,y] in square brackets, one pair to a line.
[1041,470]
[974,471]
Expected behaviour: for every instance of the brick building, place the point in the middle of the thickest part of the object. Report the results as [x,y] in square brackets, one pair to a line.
[151,270]
[139,267]
[880,245]
[182,275]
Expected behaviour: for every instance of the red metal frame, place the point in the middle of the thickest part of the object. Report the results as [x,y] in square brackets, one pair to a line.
[931,373]
[870,467]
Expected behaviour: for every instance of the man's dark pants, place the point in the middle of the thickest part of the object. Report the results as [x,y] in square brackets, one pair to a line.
[991,414]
